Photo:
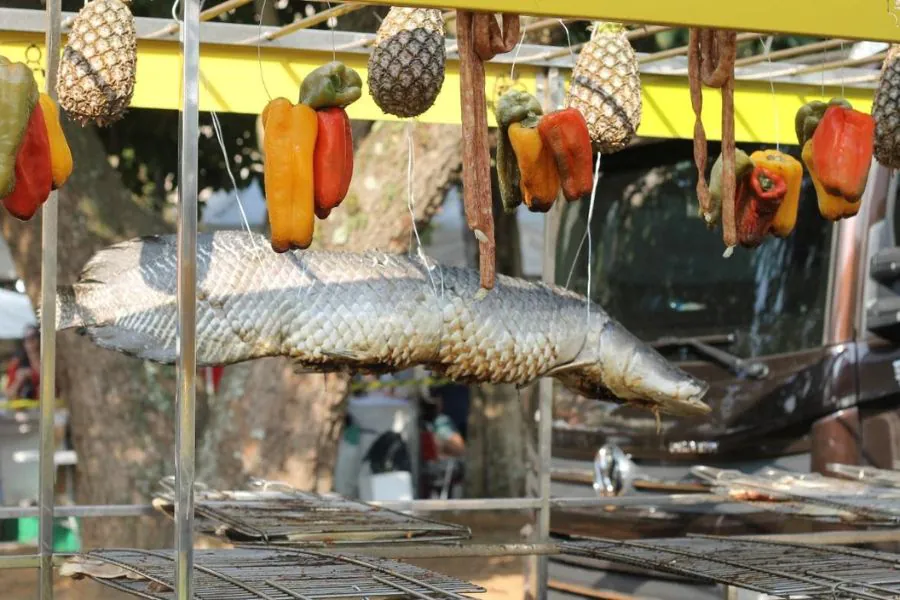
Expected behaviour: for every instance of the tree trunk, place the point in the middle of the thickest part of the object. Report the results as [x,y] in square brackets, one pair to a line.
[500,437]
[297,441]
[121,409]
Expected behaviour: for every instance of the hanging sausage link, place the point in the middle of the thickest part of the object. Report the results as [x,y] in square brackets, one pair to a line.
[479,39]
[711,56]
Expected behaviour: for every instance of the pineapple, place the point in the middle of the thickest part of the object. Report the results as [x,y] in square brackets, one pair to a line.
[96,70]
[606,88]
[886,111]
[406,67]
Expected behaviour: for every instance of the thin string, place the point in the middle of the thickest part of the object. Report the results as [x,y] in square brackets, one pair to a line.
[589,239]
[217,128]
[333,48]
[568,40]
[767,46]
[259,37]
[842,71]
[512,68]
[411,203]
[823,74]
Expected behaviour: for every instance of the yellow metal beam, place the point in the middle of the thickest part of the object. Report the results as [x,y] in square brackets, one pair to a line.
[232,82]
[875,20]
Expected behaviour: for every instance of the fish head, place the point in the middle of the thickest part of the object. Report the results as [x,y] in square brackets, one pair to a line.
[615,365]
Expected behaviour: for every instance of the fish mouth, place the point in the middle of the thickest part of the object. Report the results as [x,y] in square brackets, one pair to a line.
[687,404]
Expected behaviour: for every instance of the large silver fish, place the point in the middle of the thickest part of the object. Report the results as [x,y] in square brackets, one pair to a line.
[370,311]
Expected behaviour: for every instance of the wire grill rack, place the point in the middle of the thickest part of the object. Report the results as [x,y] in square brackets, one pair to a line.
[277,514]
[777,569]
[879,505]
[265,574]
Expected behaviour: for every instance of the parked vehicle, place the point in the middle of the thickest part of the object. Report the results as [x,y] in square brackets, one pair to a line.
[799,340]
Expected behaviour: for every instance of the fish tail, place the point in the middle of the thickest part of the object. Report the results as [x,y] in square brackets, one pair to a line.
[67,314]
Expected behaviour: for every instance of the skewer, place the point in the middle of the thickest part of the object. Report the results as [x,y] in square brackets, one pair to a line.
[634,34]
[682,50]
[828,66]
[49,255]
[319,17]
[789,52]
[186,364]
[207,15]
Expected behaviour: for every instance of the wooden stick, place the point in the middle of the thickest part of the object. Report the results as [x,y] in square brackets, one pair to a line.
[476,159]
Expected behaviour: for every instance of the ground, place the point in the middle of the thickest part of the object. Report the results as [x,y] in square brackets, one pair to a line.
[502,577]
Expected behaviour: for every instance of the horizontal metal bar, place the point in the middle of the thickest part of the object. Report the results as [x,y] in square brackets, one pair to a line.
[462,505]
[82,511]
[870,20]
[825,538]
[830,538]
[230,73]
[460,551]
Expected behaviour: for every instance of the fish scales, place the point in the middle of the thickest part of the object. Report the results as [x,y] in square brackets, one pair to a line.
[365,311]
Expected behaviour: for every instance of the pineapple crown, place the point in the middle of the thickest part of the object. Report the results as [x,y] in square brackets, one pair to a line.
[606,27]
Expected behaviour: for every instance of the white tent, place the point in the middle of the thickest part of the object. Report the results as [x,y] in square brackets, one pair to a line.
[222,211]
[16,313]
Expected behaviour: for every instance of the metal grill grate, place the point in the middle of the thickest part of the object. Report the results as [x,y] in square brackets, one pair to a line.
[277,514]
[777,569]
[868,502]
[265,574]
[870,475]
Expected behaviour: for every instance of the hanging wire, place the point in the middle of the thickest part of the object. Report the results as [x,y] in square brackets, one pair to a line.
[411,203]
[512,68]
[328,23]
[841,71]
[259,38]
[590,240]
[767,48]
[568,41]
[217,128]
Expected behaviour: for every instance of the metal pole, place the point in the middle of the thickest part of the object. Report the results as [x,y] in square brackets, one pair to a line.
[188,132]
[49,221]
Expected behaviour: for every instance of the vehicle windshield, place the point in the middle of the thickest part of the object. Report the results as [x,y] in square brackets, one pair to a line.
[659,271]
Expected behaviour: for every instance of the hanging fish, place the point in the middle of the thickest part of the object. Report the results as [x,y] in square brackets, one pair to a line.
[373,311]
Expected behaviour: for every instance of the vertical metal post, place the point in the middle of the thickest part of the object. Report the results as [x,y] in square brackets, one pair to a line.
[188,132]
[49,220]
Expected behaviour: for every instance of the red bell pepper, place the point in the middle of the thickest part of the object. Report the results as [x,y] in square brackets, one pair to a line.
[566,134]
[34,174]
[759,196]
[332,160]
[842,147]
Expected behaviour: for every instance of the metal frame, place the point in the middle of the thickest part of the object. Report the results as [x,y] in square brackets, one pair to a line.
[867,20]
[232,57]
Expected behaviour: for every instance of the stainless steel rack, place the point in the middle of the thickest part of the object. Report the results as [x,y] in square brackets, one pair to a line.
[879,505]
[779,569]
[277,514]
[870,475]
[265,574]
[271,572]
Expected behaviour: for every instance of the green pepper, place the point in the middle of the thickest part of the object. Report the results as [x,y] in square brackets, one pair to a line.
[514,106]
[18,97]
[742,167]
[808,116]
[333,85]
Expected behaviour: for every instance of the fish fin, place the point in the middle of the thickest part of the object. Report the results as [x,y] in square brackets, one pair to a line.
[67,314]
[567,358]
[112,261]
[132,343]
[562,368]
[344,355]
